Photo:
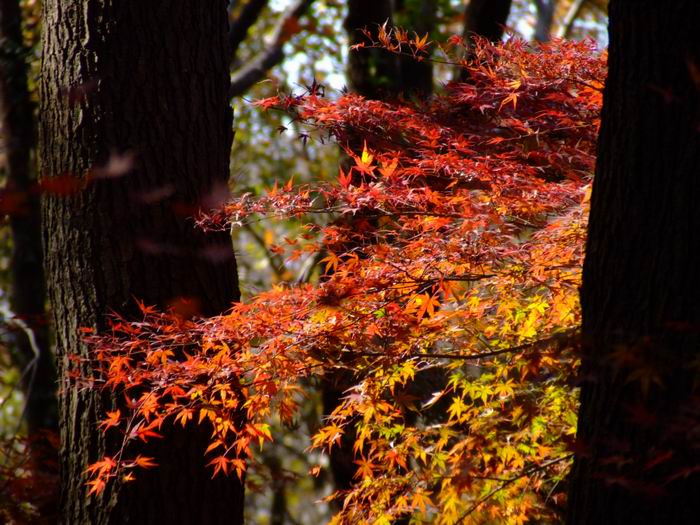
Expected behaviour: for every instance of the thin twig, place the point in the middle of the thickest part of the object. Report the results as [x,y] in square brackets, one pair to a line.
[526,472]
[560,336]
[273,260]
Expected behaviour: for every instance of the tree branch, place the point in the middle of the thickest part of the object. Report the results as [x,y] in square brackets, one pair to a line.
[275,263]
[255,70]
[29,369]
[569,19]
[238,28]
[532,345]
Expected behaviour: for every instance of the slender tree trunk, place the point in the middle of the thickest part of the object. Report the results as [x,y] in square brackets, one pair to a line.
[28,293]
[420,17]
[638,456]
[545,19]
[373,73]
[135,99]
[486,18]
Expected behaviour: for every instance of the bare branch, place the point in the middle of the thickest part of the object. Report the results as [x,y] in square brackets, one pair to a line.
[569,19]
[255,70]
[273,260]
[238,29]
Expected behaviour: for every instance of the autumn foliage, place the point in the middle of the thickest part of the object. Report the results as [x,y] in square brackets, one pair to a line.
[450,264]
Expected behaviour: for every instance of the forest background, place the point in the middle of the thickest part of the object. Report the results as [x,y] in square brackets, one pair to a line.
[267,149]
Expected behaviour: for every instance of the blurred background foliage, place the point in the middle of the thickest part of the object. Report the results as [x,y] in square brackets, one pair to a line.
[270,149]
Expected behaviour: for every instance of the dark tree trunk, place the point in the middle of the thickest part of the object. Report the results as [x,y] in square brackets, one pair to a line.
[420,17]
[486,18]
[28,293]
[638,456]
[148,82]
[373,73]
[342,457]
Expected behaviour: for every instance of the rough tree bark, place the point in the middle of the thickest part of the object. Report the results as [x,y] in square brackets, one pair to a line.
[638,456]
[134,103]
[28,293]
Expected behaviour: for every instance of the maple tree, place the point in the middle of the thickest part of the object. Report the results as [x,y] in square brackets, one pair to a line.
[455,309]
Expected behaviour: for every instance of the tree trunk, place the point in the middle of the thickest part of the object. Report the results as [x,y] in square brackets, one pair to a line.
[135,105]
[420,17]
[545,19]
[28,293]
[373,73]
[486,18]
[637,455]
